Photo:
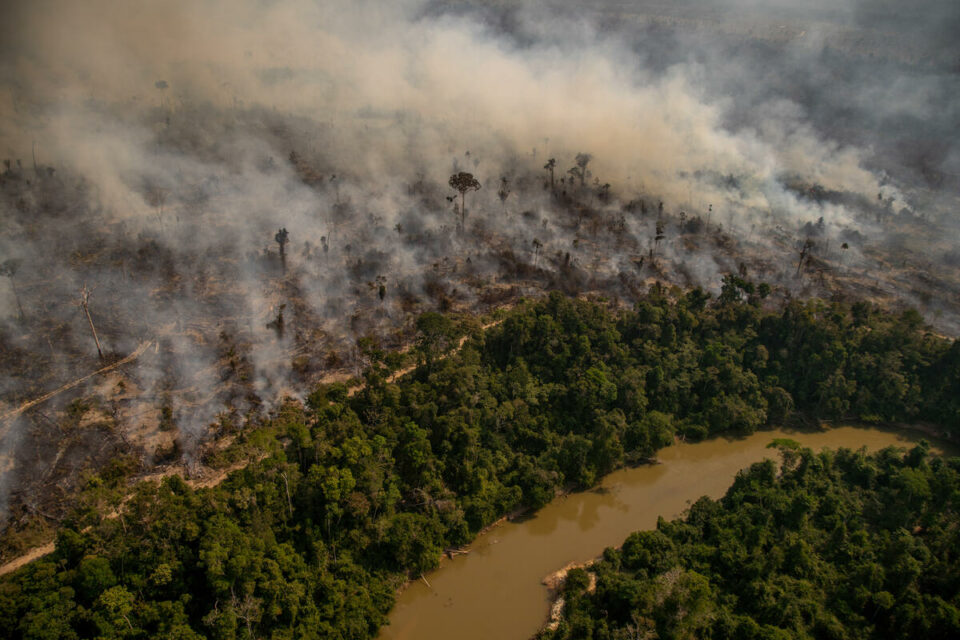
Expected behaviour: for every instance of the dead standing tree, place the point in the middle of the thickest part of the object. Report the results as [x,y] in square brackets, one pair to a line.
[464,182]
[550,166]
[277,324]
[161,86]
[804,254]
[504,192]
[158,198]
[537,246]
[580,171]
[381,287]
[85,305]
[281,238]
[336,187]
[9,269]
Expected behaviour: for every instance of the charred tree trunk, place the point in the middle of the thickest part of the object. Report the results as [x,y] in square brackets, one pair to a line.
[16,296]
[85,305]
[804,252]
[281,238]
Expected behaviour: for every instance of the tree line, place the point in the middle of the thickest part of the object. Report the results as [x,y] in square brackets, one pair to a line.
[356,493]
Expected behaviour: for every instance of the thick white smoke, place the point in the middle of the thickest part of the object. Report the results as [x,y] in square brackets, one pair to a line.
[156,147]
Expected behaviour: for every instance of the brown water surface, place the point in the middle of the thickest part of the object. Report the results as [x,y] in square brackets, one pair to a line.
[496,590]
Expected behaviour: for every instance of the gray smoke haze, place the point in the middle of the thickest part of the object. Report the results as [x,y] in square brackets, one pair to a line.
[156,148]
[397,84]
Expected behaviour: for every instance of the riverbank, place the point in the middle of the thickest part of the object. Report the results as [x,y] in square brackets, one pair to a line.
[497,590]
[447,556]
[679,581]
[554,583]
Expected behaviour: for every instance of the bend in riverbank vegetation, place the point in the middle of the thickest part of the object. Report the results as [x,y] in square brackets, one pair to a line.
[839,544]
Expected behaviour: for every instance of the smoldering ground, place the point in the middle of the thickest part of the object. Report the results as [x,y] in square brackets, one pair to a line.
[156,148]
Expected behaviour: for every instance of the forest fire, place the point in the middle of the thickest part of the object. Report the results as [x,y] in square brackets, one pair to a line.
[206,229]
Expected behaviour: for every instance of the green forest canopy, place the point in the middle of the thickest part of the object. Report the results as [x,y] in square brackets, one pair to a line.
[355,493]
[841,545]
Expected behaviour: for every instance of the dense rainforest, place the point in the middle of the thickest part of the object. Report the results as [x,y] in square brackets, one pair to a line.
[349,494]
[838,545]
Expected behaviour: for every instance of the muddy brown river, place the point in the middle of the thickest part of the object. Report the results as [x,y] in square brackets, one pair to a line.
[495,591]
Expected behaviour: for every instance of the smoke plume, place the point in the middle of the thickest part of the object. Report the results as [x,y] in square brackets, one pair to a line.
[155,149]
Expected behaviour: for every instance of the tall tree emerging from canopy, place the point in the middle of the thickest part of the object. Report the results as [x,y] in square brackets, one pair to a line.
[464,182]
[435,334]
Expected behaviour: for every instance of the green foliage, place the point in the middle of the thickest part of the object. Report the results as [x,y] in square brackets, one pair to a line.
[354,494]
[815,552]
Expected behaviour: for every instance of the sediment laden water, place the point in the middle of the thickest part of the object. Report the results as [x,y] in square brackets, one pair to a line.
[496,591]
